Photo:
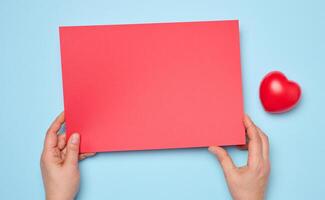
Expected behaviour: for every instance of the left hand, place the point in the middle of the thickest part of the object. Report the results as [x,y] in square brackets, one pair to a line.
[59,163]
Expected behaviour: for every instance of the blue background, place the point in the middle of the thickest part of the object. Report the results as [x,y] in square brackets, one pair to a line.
[275,35]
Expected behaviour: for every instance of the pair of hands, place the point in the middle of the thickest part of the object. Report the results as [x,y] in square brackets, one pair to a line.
[61,175]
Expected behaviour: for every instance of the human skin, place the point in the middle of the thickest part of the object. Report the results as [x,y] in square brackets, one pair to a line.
[248,182]
[61,175]
[59,163]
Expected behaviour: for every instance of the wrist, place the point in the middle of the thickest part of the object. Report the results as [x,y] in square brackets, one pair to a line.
[58,197]
[250,196]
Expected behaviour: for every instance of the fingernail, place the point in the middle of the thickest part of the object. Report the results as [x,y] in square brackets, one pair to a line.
[75,138]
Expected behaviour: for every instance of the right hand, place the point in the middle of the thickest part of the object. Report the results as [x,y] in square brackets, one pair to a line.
[248,182]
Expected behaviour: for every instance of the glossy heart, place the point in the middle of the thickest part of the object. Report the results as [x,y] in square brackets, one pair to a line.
[278,94]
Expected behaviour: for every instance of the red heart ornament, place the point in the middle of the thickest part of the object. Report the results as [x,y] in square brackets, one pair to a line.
[278,94]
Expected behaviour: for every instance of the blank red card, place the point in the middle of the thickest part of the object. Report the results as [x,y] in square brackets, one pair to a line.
[153,86]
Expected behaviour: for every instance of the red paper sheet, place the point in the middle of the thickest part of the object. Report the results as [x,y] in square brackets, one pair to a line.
[153,86]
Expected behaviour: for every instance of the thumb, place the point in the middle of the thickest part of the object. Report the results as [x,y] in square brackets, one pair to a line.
[223,157]
[72,155]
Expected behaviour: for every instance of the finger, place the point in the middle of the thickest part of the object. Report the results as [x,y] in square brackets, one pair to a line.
[265,144]
[61,141]
[51,138]
[64,152]
[86,155]
[72,154]
[254,142]
[223,158]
